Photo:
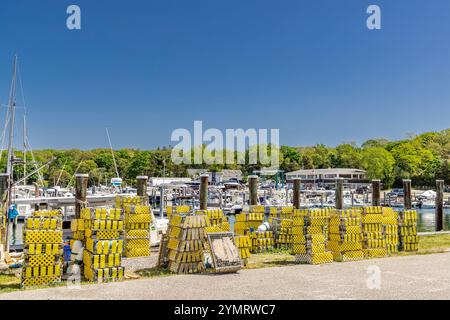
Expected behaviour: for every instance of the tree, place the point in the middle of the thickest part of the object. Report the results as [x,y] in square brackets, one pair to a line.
[87,166]
[379,164]
[348,156]
[375,143]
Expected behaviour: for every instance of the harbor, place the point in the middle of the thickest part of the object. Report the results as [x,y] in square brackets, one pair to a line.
[95,228]
[225,156]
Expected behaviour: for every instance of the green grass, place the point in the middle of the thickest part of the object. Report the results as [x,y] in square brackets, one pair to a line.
[9,282]
[434,242]
[431,244]
[270,258]
[154,272]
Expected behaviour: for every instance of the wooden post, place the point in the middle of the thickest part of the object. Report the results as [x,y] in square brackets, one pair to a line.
[220,199]
[376,194]
[4,183]
[81,183]
[142,186]
[36,195]
[353,198]
[407,194]
[253,188]
[161,201]
[296,192]
[439,214]
[339,194]
[204,191]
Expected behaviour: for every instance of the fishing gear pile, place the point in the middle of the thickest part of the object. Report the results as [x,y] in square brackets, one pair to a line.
[103,244]
[409,240]
[138,219]
[374,240]
[390,230]
[310,236]
[43,249]
[345,237]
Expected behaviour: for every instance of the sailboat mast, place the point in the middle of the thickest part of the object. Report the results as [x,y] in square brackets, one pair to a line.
[24,149]
[112,152]
[9,163]
[12,107]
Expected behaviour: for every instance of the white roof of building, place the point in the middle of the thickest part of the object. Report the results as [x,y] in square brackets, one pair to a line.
[157,181]
[326,171]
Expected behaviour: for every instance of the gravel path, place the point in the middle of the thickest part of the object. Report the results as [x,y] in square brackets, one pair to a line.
[408,277]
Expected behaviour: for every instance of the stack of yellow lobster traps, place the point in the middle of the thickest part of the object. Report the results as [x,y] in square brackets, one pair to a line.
[390,229]
[261,241]
[244,245]
[283,232]
[345,237]
[43,248]
[286,212]
[310,236]
[280,219]
[247,221]
[374,240]
[217,220]
[103,244]
[177,209]
[138,219]
[280,213]
[409,240]
[187,242]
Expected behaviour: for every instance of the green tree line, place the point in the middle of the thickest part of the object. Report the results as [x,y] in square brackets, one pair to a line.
[422,158]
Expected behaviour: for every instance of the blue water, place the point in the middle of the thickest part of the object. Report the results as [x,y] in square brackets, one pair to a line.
[426,220]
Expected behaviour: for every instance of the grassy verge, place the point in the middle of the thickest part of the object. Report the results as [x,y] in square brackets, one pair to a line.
[9,282]
[432,244]
[270,258]
[154,272]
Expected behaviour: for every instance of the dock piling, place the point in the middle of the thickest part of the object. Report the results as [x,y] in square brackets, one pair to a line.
[376,195]
[339,194]
[81,183]
[253,188]
[296,192]
[407,194]
[141,182]
[204,191]
[439,214]
[4,183]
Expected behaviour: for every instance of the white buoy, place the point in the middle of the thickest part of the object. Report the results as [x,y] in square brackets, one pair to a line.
[264,227]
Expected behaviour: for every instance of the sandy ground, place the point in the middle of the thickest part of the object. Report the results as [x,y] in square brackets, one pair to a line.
[408,277]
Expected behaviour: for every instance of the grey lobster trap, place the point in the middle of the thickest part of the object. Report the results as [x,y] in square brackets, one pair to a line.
[224,252]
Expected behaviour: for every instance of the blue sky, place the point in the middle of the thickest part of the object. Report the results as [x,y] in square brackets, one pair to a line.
[146,67]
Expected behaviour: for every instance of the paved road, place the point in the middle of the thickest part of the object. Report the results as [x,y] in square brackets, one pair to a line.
[408,277]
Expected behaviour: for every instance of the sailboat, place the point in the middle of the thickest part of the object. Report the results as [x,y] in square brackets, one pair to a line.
[115,181]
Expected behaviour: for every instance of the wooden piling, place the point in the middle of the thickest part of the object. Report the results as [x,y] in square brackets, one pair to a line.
[339,194]
[407,194]
[296,192]
[439,213]
[376,194]
[204,191]
[81,183]
[4,181]
[253,189]
[4,184]
[141,182]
